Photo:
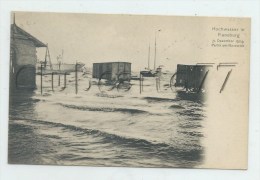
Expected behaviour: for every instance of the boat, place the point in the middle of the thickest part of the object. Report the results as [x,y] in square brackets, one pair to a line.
[151,72]
[65,67]
[48,67]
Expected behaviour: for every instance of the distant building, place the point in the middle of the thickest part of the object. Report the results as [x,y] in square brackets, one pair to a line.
[112,70]
[23,58]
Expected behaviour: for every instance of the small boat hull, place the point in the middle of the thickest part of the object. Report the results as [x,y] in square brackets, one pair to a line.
[62,67]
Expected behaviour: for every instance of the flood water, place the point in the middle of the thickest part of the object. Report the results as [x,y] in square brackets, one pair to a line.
[112,128]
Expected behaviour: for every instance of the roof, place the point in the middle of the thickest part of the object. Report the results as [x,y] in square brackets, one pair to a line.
[19,33]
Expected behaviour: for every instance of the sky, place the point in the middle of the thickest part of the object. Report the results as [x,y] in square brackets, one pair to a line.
[90,38]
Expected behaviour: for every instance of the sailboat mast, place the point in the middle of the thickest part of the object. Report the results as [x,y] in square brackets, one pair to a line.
[149,57]
[155,52]
[49,57]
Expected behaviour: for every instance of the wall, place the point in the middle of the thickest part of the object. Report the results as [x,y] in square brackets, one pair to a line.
[23,64]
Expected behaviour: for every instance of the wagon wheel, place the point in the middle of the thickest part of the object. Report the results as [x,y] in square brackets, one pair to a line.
[89,86]
[124,79]
[124,76]
[173,82]
[124,86]
[104,84]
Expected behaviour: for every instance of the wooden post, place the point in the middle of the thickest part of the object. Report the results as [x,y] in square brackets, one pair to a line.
[142,80]
[76,78]
[59,74]
[52,81]
[159,82]
[156,84]
[41,77]
[140,83]
[65,80]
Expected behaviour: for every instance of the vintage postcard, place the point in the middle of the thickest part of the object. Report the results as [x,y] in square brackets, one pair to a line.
[129,90]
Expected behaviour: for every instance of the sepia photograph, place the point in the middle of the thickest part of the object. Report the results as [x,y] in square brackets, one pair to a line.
[122,90]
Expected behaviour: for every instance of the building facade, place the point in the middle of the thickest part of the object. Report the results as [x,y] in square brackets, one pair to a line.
[23,59]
